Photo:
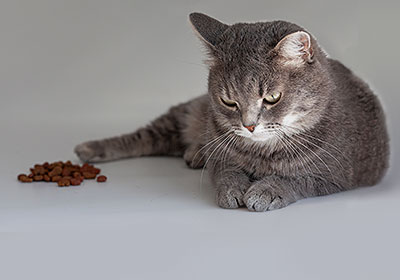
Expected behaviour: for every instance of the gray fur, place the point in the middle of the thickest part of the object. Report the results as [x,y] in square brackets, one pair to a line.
[337,140]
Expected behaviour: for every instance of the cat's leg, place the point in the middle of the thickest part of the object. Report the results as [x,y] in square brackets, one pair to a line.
[161,137]
[274,192]
[231,185]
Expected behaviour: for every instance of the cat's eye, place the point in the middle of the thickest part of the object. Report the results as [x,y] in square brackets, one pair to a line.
[273,97]
[229,103]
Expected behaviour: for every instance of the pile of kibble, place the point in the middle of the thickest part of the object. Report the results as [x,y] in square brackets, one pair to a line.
[62,173]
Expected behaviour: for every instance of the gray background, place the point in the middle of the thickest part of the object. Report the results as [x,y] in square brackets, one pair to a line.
[77,70]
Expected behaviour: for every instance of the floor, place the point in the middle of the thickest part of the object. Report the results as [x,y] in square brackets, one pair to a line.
[86,71]
[153,220]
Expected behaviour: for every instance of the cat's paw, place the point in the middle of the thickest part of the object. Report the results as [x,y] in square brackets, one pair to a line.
[91,151]
[261,198]
[230,197]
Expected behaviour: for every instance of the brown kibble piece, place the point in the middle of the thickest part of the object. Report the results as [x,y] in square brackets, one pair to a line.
[96,170]
[63,182]
[88,175]
[101,179]
[57,170]
[27,180]
[24,179]
[75,181]
[66,171]
[46,178]
[38,177]
[56,178]
[38,170]
[74,168]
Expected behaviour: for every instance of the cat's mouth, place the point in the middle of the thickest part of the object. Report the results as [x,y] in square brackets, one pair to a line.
[260,133]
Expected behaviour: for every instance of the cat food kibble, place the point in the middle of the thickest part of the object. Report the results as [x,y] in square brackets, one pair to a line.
[101,179]
[57,170]
[88,175]
[25,179]
[38,178]
[55,178]
[75,181]
[63,182]
[63,173]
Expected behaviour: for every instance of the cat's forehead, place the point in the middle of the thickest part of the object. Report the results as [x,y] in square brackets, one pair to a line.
[246,42]
[250,85]
[248,75]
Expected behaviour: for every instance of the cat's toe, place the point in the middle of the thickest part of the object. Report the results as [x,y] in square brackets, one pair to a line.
[230,198]
[90,151]
[261,199]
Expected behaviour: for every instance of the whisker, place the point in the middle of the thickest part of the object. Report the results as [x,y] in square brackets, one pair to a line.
[299,131]
[322,161]
[296,150]
[286,153]
[213,141]
[205,165]
[228,146]
[322,149]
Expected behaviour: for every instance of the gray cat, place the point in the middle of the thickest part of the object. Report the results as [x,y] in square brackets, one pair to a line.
[281,121]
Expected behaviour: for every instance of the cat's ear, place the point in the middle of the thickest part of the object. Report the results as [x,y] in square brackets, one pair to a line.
[296,48]
[207,28]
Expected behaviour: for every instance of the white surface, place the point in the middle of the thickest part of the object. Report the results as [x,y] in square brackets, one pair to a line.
[79,70]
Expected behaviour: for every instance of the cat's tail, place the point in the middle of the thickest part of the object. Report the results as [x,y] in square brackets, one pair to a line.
[162,137]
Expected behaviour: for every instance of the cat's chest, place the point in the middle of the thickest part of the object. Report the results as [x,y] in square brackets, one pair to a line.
[262,164]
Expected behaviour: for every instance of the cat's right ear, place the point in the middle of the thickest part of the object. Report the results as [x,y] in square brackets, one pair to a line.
[296,48]
[207,28]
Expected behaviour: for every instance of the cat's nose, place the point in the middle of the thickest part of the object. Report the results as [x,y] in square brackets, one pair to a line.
[250,127]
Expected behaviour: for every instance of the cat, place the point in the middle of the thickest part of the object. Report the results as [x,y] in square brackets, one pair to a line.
[281,120]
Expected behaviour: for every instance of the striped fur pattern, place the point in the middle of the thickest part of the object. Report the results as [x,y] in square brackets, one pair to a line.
[326,133]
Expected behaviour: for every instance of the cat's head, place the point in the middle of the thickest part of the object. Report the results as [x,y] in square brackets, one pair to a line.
[264,78]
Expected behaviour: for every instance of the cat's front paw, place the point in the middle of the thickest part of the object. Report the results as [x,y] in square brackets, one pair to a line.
[260,198]
[91,151]
[230,197]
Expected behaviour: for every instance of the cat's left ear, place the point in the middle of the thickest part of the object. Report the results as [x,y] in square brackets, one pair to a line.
[296,49]
[207,28]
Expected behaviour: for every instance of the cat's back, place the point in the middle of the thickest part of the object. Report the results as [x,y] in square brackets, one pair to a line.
[362,119]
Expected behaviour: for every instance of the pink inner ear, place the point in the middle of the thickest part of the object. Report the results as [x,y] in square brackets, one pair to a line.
[296,48]
[308,51]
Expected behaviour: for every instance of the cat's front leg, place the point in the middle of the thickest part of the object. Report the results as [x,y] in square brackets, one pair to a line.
[231,186]
[274,192]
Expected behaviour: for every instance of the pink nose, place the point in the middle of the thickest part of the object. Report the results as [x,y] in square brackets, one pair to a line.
[250,127]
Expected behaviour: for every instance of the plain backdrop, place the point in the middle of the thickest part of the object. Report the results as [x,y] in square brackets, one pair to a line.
[76,70]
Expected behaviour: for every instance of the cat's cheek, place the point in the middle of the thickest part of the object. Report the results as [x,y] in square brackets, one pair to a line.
[290,119]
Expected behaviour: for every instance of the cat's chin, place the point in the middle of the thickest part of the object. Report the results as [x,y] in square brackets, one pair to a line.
[263,139]
[266,139]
